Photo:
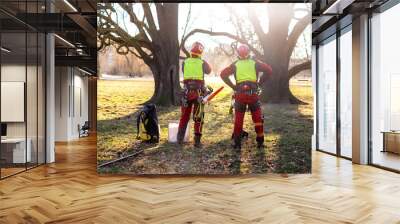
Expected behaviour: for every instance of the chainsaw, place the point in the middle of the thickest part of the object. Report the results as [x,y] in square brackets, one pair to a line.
[203,100]
[210,95]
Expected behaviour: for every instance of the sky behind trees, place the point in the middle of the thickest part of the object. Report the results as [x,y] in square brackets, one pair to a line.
[217,17]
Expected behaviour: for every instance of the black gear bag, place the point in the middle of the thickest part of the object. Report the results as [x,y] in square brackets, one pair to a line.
[147,124]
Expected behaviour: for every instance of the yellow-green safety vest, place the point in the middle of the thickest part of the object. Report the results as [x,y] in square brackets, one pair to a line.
[193,69]
[245,71]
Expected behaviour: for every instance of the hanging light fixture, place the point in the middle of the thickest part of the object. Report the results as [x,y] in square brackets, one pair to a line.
[70,5]
[5,50]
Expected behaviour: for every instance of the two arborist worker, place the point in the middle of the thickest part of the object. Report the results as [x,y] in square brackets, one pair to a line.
[193,69]
[246,92]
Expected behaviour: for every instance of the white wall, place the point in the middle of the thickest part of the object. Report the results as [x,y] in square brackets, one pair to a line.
[50,94]
[80,110]
[71,87]
[360,90]
[33,126]
[16,73]
[62,82]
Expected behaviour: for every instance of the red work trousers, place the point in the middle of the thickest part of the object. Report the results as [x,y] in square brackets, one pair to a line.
[186,109]
[242,101]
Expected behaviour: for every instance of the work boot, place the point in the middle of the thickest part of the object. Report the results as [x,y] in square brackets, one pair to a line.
[260,142]
[244,135]
[180,136]
[237,142]
[197,142]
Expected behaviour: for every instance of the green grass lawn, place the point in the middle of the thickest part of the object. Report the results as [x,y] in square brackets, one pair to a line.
[288,130]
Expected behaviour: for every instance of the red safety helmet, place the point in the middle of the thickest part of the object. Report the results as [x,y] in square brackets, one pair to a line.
[197,49]
[243,51]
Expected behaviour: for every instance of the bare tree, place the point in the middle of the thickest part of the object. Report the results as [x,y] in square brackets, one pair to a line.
[156,41]
[275,47]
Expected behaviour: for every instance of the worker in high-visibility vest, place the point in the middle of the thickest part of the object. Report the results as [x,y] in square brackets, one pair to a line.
[193,69]
[246,92]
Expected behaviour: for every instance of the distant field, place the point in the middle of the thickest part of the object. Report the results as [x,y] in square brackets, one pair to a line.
[288,131]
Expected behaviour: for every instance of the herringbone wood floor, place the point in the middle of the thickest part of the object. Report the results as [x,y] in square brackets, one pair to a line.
[70,191]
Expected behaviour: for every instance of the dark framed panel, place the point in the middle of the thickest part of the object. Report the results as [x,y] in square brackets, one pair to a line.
[24,60]
[321,103]
[341,29]
[381,93]
[344,121]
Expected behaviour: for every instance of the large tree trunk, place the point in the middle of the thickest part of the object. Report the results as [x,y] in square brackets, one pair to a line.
[276,89]
[166,84]
[276,53]
[166,64]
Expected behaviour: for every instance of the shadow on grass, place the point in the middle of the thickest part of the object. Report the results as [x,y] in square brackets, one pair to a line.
[293,144]
[167,158]
[288,144]
[215,157]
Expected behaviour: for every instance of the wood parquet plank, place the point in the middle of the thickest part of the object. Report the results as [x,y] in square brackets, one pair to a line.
[70,191]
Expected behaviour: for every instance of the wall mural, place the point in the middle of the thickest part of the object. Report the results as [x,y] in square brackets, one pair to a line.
[196,88]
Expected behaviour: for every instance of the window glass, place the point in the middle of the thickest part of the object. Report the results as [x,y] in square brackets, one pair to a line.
[346,94]
[385,84]
[15,151]
[327,96]
[22,89]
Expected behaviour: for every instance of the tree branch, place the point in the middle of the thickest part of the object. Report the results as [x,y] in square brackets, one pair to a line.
[186,24]
[297,31]
[141,25]
[236,20]
[122,38]
[294,70]
[256,24]
[149,16]
[225,34]
[136,54]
